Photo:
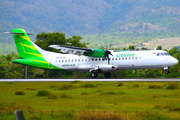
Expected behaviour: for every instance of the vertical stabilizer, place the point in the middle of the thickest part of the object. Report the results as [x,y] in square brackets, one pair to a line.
[25,47]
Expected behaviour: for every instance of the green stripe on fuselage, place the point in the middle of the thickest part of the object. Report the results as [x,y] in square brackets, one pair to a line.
[37,62]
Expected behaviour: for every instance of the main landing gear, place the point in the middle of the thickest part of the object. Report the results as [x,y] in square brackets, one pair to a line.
[94,74]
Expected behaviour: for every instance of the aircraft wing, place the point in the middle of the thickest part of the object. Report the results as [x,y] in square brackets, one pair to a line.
[71,49]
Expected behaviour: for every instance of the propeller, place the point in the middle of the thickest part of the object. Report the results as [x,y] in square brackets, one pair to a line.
[107,52]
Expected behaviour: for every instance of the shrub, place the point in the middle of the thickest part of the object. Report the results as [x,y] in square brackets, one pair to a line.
[154,86]
[174,109]
[66,87]
[53,86]
[113,93]
[19,93]
[99,115]
[76,81]
[136,85]
[64,95]
[120,84]
[172,85]
[52,96]
[84,93]
[149,115]
[31,89]
[89,85]
[110,92]
[42,93]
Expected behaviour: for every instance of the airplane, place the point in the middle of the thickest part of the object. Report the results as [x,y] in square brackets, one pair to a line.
[94,61]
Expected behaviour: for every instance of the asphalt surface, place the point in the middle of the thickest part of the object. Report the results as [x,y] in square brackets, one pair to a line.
[70,80]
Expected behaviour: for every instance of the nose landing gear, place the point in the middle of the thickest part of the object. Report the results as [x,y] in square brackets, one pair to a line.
[166,69]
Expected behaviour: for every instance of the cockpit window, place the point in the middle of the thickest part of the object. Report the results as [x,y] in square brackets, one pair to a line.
[166,54]
[163,54]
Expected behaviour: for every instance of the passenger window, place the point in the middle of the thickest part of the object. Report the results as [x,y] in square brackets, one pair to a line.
[129,58]
[85,59]
[96,59]
[126,58]
[112,58]
[158,54]
[69,60]
[82,60]
[136,57]
[62,60]
[123,58]
[99,59]
[119,58]
[78,60]
[75,60]
[132,58]
[65,60]
[72,60]
[116,58]
[92,59]
[59,60]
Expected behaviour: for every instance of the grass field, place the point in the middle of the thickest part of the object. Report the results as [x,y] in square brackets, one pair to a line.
[90,100]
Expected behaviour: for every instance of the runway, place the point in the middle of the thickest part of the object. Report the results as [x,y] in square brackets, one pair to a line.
[71,80]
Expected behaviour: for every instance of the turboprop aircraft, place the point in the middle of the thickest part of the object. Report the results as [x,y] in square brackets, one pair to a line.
[87,60]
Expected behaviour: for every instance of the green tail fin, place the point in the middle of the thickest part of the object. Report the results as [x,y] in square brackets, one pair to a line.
[25,47]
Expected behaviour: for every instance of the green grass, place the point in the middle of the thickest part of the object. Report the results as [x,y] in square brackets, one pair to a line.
[91,100]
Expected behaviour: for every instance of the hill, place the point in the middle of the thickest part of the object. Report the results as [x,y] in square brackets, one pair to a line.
[99,18]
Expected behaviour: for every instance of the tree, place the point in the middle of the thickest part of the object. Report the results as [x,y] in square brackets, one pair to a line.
[131,47]
[46,39]
[159,48]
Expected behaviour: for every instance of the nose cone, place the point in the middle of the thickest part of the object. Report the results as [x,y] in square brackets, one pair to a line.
[174,61]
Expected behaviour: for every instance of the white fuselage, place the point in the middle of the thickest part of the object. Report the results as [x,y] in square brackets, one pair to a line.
[120,60]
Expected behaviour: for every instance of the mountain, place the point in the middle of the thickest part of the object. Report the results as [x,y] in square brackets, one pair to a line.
[93,17]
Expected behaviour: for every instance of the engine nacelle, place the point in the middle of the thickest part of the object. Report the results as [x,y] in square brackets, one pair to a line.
[95,53]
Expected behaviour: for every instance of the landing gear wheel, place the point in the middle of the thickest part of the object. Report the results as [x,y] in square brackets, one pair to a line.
[94,74]
[167,71]
[107,75]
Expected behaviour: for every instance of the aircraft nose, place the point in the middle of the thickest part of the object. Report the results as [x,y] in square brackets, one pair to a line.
[174,61]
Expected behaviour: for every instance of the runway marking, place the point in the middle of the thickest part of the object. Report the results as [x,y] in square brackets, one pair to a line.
[71,80]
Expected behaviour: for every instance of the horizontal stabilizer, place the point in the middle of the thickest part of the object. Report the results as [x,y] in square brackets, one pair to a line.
[17,33]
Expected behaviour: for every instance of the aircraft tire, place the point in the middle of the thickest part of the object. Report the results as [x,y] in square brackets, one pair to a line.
[107,75]
[167,71]
[94,74]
